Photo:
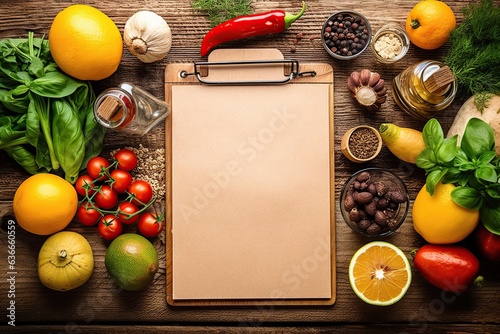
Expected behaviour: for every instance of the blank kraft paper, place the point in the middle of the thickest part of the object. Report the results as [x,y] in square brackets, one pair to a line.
[251,206]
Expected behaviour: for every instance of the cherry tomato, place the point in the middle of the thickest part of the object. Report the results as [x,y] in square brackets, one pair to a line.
[84,182]
[142,191]
[150,225]
[87,215]
[121,180]
[124,210]
[95,168]
[127,160]
[110,227]
[106,198]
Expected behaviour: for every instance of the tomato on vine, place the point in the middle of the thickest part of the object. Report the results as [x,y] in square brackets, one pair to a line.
[142,191]
[120,180]
[96,167]
[125,212]
[110,227]
[106,198]
[150,224]
[85,184]
[87,215]
[127,160]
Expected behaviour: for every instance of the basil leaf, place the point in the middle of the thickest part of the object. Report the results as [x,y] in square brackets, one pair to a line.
[486,158]
[467,197]
[432,134]
[426,159]
[478,138]
[67,136]
[448,150]
[454,175]
[490,216]
[486,173]
[54,85]
[433,179]
[25,157]
[494,191]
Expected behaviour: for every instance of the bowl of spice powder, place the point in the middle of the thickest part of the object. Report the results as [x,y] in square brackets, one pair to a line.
[361,143]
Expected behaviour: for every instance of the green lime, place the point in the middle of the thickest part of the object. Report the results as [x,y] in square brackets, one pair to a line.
[131,261]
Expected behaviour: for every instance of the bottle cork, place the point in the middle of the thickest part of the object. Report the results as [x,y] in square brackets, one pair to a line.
[109,108]
[439,80]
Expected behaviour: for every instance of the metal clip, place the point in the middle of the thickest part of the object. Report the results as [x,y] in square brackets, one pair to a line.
[201,68]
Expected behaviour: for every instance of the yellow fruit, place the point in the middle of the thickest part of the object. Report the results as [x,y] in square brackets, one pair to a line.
[65,261]
[45,204]
[438,219]
[429,24]
[131,261]
[380,273]
[405,143]
[85,43]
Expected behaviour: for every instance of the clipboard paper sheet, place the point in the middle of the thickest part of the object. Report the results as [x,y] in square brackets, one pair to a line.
[251,197]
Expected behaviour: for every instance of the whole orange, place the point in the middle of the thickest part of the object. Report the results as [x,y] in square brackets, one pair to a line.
[85,43]
[429,24]
[438,219]
[45,204]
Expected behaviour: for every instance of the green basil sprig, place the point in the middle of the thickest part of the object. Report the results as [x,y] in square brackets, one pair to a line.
[46,117]
[473,167]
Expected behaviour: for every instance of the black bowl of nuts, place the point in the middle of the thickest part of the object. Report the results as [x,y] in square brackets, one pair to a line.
[374,202]
[346,34]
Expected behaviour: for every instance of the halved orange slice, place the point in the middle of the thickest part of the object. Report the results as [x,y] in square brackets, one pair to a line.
[380,273]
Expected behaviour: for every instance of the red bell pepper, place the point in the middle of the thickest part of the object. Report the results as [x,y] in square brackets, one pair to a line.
[487,243]
[246,26]
[449,267]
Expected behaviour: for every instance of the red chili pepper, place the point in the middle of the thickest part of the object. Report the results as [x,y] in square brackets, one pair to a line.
[246,26]
[488,243]
[449,267]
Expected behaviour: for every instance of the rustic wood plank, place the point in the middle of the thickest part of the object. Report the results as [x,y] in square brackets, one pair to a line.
[100,305]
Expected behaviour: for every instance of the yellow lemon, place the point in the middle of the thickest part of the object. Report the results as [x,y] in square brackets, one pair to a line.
[380,273]
[438,219]
[85,43]
[45,204]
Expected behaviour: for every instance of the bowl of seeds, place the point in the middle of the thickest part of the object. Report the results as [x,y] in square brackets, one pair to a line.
[361,143]
[346,34]
[390,43]
[374,202]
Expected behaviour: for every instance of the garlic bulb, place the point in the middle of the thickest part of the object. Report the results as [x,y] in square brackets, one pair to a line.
[147,36]
[368,88]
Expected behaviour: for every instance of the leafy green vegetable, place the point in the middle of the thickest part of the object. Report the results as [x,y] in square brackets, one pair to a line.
[222,10]
[46,117]
[474,55]
[473,168]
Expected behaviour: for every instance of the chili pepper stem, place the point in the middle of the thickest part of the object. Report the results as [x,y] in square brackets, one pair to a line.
[478,281]
[290,18]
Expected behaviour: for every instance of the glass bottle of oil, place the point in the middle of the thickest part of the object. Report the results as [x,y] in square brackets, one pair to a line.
[413,94]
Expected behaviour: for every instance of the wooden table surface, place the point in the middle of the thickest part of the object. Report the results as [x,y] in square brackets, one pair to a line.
[100,306]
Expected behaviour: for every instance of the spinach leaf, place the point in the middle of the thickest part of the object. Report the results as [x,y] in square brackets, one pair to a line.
[24,157]
[67,135]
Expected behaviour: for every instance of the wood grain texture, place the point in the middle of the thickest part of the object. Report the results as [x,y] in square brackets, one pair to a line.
[99,305]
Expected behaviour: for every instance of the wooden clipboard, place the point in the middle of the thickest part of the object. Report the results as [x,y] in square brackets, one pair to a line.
[181,151]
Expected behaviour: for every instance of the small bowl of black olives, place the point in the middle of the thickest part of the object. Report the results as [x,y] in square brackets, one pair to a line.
[374,202]
[346,34]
